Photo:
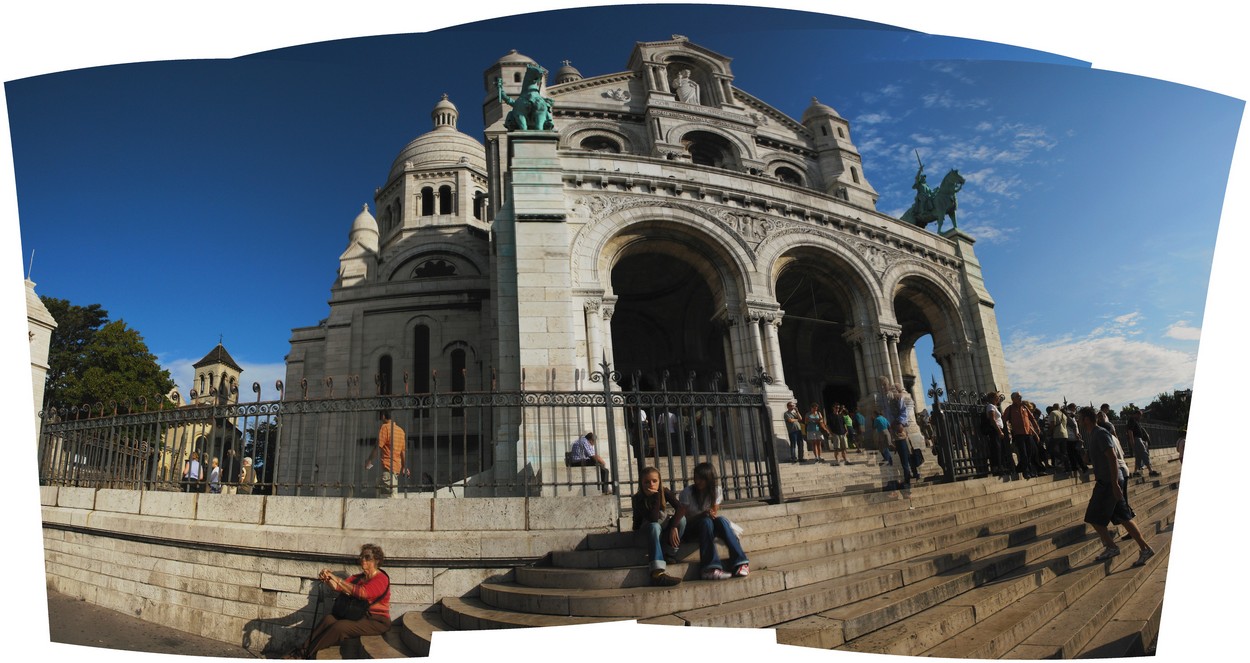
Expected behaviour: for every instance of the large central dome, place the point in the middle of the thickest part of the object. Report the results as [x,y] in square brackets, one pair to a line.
[443,146]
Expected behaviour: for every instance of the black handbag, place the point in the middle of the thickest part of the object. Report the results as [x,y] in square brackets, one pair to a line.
[351,608]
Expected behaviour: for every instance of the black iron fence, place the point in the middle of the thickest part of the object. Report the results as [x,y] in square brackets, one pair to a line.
[966,446]
[460,444]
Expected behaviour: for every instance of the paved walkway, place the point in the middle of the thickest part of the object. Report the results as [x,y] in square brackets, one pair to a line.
[75,622]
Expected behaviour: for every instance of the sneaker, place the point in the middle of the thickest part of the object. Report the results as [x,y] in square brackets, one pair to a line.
[1154,473]
[745,569]
[1144,557]
[1126,536]
[661,579]
[716,574]
[1107,554]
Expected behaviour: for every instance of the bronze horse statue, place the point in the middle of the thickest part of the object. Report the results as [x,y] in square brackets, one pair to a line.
[531,111]
[934,205]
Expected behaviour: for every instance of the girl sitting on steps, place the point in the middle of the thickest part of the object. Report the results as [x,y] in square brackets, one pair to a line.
[702,502]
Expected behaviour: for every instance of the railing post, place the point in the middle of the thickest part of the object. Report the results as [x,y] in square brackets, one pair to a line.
[607,376]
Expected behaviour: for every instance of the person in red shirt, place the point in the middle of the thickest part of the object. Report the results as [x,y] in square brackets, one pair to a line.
[372,585]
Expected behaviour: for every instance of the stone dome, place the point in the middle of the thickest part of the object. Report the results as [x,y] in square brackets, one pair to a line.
[567,74]
[365,229]
[817,109]
[515,58]
[441,147]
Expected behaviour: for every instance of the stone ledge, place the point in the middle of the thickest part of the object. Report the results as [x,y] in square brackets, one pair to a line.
[75,498]
[120,501]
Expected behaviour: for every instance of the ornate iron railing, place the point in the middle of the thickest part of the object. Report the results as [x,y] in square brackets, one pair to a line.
[456,443]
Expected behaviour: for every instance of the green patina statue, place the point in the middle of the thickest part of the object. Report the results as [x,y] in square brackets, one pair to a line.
[531,111]
[933,205]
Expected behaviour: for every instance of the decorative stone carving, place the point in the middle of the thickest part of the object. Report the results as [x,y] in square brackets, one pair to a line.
[876,257]
[591,305]
[619,94]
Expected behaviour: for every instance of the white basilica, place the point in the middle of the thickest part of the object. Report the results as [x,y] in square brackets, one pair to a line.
[670,221]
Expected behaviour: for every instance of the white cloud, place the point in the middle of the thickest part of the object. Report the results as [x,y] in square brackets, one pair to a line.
[873,118]
[1181,330]
[1104,367]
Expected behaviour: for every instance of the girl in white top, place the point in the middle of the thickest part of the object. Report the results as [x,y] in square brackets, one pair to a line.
[702,501]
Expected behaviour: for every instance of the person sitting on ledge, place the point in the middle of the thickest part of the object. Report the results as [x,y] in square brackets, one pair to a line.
[372,586]
[584,455]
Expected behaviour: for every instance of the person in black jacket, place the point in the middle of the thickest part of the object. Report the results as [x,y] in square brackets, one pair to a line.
[663,533]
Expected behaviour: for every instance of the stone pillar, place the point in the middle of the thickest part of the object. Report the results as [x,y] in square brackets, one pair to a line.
[757,346]
[594,340]
[535,315]
[987,361]
[40,324]
[606,309]
[774,349]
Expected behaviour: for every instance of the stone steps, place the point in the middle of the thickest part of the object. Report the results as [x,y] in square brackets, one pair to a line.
[1018,607]
[387,645]
[1004,616]
[417,629]
[815,562]
[1135,627]
[980,568]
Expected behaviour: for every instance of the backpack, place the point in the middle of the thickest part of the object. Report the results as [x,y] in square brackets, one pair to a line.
[917,458]
[988,427]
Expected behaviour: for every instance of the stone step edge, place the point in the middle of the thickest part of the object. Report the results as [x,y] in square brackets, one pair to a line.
[944,648]
[1128,634]
[1055,554]
[1127,580]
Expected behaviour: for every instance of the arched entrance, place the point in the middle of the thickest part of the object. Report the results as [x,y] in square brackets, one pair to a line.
[664,320]
[814,289]
[930,323]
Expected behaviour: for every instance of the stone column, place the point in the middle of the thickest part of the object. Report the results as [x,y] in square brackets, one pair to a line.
[774,349]
[594,340]
[606,309]
[757,346]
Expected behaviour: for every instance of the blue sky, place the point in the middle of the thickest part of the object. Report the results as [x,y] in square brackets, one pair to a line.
[199,199]
[1124,310]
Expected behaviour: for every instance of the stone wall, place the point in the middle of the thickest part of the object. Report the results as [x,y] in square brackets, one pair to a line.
[242,568]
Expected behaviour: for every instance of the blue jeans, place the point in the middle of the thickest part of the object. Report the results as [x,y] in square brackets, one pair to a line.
[903,448]
[709,529]
[658,542]
[796,445]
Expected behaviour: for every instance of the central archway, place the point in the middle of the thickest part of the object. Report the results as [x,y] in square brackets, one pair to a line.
[664,320]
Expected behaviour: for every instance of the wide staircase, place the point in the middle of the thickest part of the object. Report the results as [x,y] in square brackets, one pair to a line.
[985,568]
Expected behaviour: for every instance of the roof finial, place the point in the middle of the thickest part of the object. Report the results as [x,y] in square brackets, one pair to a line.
[567,63]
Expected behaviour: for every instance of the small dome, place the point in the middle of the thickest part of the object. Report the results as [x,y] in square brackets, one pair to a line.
[515,58]
[445,114]
[443,146]
[818,109]
[567,74]
[365,229]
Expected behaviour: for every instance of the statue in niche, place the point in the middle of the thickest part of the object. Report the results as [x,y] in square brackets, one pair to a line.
[931,205]
[685,88]
[531,111]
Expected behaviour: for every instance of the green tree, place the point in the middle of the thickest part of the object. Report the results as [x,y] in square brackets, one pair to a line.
[75,327]
[92,360]
[1173,407]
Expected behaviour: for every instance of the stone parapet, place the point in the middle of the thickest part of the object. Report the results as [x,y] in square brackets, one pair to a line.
[242,568]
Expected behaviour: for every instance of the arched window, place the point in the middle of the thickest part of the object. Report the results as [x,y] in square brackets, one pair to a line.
[709,149]
[824,131]
[601,144]
[421,360]
[841,134]
[432,268]
[479,202]
[789,176]
[457,376]
[445,200]
[427,201]
[516,77]
[854,175]
[384,375]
